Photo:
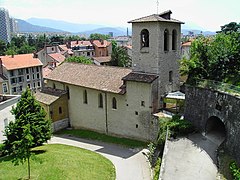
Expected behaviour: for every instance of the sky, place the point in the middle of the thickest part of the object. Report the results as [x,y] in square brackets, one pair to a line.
[208,14]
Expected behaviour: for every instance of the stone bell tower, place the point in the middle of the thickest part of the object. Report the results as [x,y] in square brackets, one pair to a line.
[156,49]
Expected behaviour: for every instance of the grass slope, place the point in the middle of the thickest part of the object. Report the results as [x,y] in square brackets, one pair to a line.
[103,137]
[56,162]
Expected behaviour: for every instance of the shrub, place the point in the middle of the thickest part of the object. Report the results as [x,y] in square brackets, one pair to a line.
[235,170]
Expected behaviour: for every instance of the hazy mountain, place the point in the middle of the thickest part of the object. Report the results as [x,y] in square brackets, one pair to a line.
[196,29]
[63,25]
[49,25]
[205,33]
[106,30]
[27,27]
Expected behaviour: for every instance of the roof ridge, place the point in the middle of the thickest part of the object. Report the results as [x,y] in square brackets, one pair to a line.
[116,67]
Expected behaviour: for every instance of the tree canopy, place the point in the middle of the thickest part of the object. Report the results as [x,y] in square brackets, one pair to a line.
[79,59]
[97,36]
[120,57]
[30,129]
[215,58]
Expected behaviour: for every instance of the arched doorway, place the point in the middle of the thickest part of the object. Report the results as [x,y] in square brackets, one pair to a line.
[215,130]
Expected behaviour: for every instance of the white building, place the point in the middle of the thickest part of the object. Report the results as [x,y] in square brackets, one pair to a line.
[6,104]
[21,71]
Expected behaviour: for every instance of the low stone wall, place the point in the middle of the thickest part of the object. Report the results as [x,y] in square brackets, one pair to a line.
[201,104]
[61,124]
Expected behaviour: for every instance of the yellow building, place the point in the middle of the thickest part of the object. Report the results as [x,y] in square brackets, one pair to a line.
[55,104]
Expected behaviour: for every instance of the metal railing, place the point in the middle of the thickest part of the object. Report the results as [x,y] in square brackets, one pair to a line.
[219,86]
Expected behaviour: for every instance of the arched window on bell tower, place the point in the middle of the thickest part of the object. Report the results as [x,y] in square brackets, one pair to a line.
[144,38]
[166,40]
[174,39]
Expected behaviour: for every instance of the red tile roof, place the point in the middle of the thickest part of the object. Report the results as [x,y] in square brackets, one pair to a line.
[20,61]
[58,57]
[187,44]
[104,78]
[103,43]
[46,71]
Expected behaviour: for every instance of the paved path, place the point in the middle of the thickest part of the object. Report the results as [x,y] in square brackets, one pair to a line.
[190,158]
[130,164]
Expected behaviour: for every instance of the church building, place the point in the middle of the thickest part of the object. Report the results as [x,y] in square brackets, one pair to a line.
[121,101]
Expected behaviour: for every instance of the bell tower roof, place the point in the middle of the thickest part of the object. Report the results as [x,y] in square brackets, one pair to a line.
[162,17]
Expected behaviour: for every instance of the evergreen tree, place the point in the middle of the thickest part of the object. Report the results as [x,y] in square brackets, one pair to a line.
[30,129]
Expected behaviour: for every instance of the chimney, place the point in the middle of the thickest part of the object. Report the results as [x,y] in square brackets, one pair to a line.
[12,55]
[102,41]
[77,42]
[35,55]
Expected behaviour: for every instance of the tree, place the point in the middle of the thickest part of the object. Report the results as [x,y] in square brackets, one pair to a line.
[230,27]
[30,129]
[97,36]
[12,50]
[26,49]
[79,59]
[216,58]
[120,57]
[3,47]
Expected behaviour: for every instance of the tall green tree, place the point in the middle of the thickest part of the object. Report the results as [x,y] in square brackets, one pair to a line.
[30,129]
[216,58]
[230,27]
[120,57]
[3,47]
[79,59]
[97,36]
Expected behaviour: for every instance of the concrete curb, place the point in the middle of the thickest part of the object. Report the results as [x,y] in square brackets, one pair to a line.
[165,151]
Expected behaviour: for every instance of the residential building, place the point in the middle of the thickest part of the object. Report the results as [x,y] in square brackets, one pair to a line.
[185,50]
[5,33]
[101,60]
[102,48]
[45,54]
[6,104]
[21,71]
[81,48]
[123,40]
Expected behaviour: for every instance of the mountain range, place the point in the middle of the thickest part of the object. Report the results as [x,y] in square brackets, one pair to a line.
[49,25]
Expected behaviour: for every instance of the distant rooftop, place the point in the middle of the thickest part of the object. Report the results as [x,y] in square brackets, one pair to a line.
[162,17]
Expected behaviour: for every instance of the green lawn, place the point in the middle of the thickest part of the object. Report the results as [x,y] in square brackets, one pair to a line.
[103,137]
[56,162]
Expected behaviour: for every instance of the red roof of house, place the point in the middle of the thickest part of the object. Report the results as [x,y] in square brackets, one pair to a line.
[58,57]
[103,43]
[187,44]
[20,61]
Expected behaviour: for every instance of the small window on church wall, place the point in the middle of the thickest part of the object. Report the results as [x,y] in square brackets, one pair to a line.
[54,86]
[174,39]
[166,40]
[60,110]
[85,100]
[114,103]
[170,76]
[144,38]
[100,101]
